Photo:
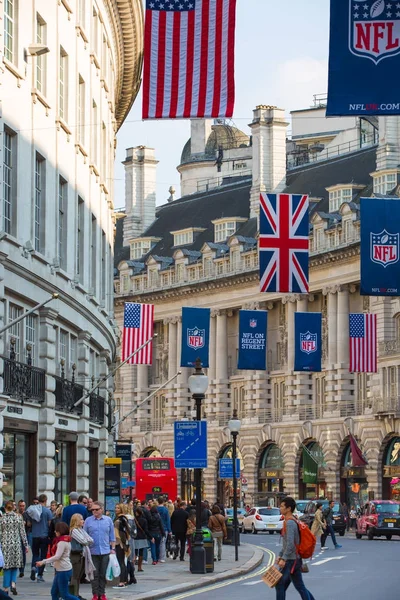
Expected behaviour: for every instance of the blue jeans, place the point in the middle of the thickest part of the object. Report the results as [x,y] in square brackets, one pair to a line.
[294,577]
[9,577]
[155,547]
[59,589]
[329,530]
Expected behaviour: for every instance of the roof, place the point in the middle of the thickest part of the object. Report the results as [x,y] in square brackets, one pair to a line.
[221,136]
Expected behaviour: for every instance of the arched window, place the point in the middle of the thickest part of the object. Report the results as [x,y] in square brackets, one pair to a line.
[272,458]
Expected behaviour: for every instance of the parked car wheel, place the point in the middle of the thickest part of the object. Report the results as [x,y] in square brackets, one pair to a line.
[358,536]
[242,529]
[271,532]
[253,529]
[389,537]
[341,532]
[370,534]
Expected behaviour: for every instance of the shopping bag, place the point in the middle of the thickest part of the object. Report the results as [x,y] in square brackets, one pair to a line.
[113,568]
[271,576]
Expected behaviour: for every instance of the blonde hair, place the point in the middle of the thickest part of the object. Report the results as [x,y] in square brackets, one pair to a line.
[122,507]
[75,521]
[58,511]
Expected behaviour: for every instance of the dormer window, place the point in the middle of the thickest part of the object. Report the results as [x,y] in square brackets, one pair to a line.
[184,237]
[337,197]
[384,182]
[141,246]
[224,228]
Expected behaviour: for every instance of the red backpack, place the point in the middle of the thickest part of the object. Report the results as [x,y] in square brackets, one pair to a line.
[308,541]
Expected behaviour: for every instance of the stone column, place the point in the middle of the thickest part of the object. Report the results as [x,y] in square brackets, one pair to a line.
[332,314]
[3,399]
[221,374]
[106,393]
[47,431]
[290,301]
[82,447]
[210,404]
[172,367]
[302,381]
[213,346]
[183,402]
[344,379]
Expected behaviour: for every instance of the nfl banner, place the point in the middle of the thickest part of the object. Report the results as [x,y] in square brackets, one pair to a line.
[364,52]
[252,339]
[195,336]
[308,346]
[380,240]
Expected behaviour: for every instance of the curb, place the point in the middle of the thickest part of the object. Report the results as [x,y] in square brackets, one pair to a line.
[247,567]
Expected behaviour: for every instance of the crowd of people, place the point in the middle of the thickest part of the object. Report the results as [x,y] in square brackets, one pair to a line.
[79,538]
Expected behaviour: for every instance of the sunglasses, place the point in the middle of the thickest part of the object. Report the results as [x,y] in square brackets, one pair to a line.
[96,509]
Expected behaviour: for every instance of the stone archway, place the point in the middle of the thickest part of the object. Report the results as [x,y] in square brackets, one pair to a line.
[353,481]
[310,491]
[271,467]
[225,486]
[150,452]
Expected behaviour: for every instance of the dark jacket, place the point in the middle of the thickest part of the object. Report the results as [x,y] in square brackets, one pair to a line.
[205,515]
[155,526]
[142,528]
[179,521]
[52,527]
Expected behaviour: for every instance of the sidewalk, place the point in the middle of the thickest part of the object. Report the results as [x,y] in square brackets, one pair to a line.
[157,581]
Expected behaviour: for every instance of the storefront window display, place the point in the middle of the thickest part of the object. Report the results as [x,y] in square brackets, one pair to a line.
[270,471]
[65,473]
[17,469]
[391,471]
[354,484]
[313,491]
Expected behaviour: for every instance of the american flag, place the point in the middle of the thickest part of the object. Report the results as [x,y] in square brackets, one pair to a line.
[283,243]
[138,328]
[189,49]
[363,343]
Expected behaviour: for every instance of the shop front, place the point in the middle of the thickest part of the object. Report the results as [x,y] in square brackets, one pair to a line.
[65,465]
[312,491]
[353,481]
[19,460]
[270,475]
[391,471]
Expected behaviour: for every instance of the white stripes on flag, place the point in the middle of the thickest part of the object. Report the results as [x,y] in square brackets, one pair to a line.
[363,350]
[134,337]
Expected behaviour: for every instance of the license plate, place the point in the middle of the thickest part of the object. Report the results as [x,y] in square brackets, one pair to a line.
[270,526]
[390,524]
[390,520]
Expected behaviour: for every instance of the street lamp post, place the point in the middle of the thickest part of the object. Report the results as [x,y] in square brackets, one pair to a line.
[198,384]
[234,426]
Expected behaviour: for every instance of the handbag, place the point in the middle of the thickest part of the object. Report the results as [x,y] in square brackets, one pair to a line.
[271,576]
[113,568]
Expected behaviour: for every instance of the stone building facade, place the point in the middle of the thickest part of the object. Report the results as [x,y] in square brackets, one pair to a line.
[69,73]
[188,262]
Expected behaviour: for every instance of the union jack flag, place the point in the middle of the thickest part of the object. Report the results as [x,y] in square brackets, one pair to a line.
[283,243]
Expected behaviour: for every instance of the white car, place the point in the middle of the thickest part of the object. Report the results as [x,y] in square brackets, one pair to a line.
[263,518]
[300,506]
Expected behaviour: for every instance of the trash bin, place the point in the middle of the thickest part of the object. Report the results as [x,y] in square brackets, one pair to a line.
[229,531]
[209,548]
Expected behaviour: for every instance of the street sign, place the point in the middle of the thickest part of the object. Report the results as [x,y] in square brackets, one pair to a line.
[190,442]
[226,468]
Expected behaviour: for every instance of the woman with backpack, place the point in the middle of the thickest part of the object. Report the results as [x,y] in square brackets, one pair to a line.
[217,525]
[156,531]
[122,537]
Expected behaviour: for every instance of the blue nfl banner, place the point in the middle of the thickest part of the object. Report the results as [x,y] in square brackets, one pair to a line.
[364,52]
[195,336]
[380,240]
[308,342]
[252,339]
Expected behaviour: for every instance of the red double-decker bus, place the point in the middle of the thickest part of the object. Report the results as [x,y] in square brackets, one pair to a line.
[155,477]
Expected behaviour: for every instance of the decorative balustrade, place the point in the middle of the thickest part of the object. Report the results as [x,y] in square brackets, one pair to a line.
[23,381]
[389,347]
[67,392]
[96,406]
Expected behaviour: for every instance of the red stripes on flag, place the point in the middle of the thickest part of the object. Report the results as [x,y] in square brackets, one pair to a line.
[189,59]
[363,347]
[134,337]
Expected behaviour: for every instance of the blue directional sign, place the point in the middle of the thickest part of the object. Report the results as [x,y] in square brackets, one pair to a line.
[190,440]
[226,468]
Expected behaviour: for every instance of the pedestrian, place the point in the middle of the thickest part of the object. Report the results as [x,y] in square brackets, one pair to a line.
[56,519]
[22,511]
[53,506]
[191,528]
[73,508]
[170,507]
[13,542]
[217,525]
[122,537]
[205,514]
[288,562]
[319,524]
[179,528]
[81,559]
[133,534]
[220,506]
[346,515]
[353,518]
[40,517]
[89,506]
[156,530]
[101,530]
[143,536]
[166,521]
[328,516]
[60,557]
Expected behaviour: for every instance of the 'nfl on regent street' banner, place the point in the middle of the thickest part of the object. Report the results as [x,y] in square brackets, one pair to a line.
[364,53]
[195,336]
[252,339]
[380,236]
[308,346]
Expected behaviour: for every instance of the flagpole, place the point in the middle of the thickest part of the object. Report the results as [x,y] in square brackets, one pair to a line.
[153,393]
[112,373]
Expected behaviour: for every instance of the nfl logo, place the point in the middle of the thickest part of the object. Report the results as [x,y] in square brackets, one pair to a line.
[308,342]
[253,323]
[385,248]
[374,29]
[196,338]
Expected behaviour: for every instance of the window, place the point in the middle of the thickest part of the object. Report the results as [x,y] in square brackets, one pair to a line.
[104,173]
[139,249]
[337,197]
[104,52]
[41,60]
[95,32]
[235,260]
[81,111]
[30,336]
[220,267]
[63,349]
[93,254]
[82,13]
[208,267]
[319,238]
[180,270]
[384,184]
[153,278]
[39,201]
[62,205]
[10,21]
[15,331]
[73,351]
[94,128]
[224,230]
[79,238]
[180,239]
[62,85]
[103,287]
[362,380]
[348,230]
[9,180]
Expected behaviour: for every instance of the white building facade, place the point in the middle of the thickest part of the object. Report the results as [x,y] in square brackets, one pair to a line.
[69,73]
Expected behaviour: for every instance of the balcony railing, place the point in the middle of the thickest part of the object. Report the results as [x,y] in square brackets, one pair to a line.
[67,392]
[96,409]
[22,381]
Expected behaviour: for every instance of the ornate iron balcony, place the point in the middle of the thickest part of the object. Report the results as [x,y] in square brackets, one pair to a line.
[96,408]
[68,392]
[22,381]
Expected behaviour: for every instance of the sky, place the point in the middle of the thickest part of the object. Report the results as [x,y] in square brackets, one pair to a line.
[281,60]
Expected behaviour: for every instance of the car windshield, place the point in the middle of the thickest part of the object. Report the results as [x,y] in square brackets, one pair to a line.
[336,507]
[387,508]
[229,512]
[301,504]
[269,512]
